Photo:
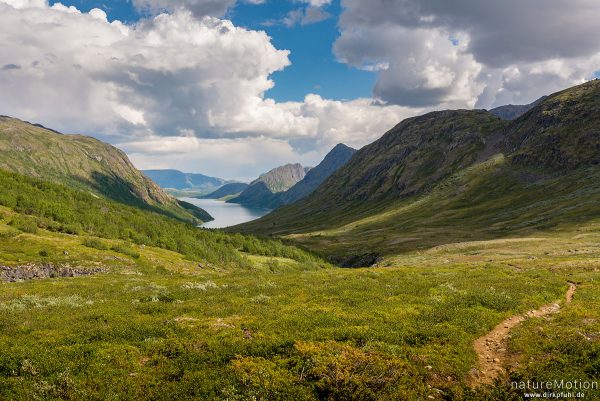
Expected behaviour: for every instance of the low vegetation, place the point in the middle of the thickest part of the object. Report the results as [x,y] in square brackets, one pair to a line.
[52,207]
[159,326]
[101,300]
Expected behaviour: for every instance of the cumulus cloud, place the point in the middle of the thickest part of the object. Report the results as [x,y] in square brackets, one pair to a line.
[244,157]
[169,76]
[354,123]
[465,52]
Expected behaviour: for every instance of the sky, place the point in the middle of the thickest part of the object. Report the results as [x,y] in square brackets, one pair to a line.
[233,88]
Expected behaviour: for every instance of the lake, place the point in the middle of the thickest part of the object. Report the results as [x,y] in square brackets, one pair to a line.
[226,214]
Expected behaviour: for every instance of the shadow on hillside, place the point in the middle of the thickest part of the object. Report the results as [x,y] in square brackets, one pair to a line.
[119,190]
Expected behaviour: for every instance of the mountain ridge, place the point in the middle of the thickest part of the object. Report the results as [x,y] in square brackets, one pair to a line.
[454,162]
[84,163]
[514,111]
[335,159]
[263,191]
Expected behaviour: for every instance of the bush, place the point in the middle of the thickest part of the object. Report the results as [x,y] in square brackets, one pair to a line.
[25,224]
[125,251]
[95,243]
[44,253]
[8,233]
[61,209]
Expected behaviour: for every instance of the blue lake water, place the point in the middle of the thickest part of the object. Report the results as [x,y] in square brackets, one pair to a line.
[226,214]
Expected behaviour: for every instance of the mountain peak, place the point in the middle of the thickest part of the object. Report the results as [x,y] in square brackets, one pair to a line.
[282,178]
[335,159]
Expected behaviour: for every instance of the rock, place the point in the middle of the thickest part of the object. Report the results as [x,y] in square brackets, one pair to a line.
[428,367]
[247,334]
[46,270]
[496,360]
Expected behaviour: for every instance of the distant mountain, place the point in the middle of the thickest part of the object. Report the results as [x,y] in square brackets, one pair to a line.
[513,111]
[234,188]
[262,191]
[335,159]
[453,176]
[84,163]
[176,179]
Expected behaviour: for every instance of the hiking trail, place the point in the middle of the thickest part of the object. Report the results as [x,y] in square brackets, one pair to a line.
[491,348]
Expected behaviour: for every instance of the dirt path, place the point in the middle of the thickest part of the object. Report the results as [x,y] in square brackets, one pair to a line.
[491,348]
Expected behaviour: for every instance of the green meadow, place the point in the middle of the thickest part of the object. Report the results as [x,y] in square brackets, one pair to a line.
[157,325]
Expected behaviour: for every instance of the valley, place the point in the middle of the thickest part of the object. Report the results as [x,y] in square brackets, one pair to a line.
[471,248]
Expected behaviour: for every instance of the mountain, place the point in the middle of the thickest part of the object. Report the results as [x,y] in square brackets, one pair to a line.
[227,190]
[513,111]
[335,159]
[455,176]
[176,179]
[84,163]
[262,191]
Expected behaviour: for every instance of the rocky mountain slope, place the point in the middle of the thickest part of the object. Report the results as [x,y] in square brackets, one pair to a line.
[84,163]
[456,175]
[262,191]
[513,111]
[335,159]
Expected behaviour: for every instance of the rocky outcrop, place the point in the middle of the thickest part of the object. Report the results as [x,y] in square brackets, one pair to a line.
[514,111]
[262,192]
[333,161]
[46,270]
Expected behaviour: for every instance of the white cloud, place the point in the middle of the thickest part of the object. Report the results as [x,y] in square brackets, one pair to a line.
[303,16]
[242,158]
[200,8]
[172,76]
[26,3]
[317,3]
[461,53]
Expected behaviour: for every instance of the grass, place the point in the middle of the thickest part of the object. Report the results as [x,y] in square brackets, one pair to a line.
[158,326]
[38,204]
[491,200]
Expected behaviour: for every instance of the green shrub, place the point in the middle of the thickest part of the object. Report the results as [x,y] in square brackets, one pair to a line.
[95,243]
[6,233]
[44,253]
[25,224]
[61,209]
[125,251]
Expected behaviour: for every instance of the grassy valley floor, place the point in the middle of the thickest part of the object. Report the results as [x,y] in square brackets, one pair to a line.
[151,324]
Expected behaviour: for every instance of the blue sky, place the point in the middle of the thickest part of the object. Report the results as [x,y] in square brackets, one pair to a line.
[314,68]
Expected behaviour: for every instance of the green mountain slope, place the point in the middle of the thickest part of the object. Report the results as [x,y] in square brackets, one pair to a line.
[42,205]
[454,176]
[199,314]
[84,163]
